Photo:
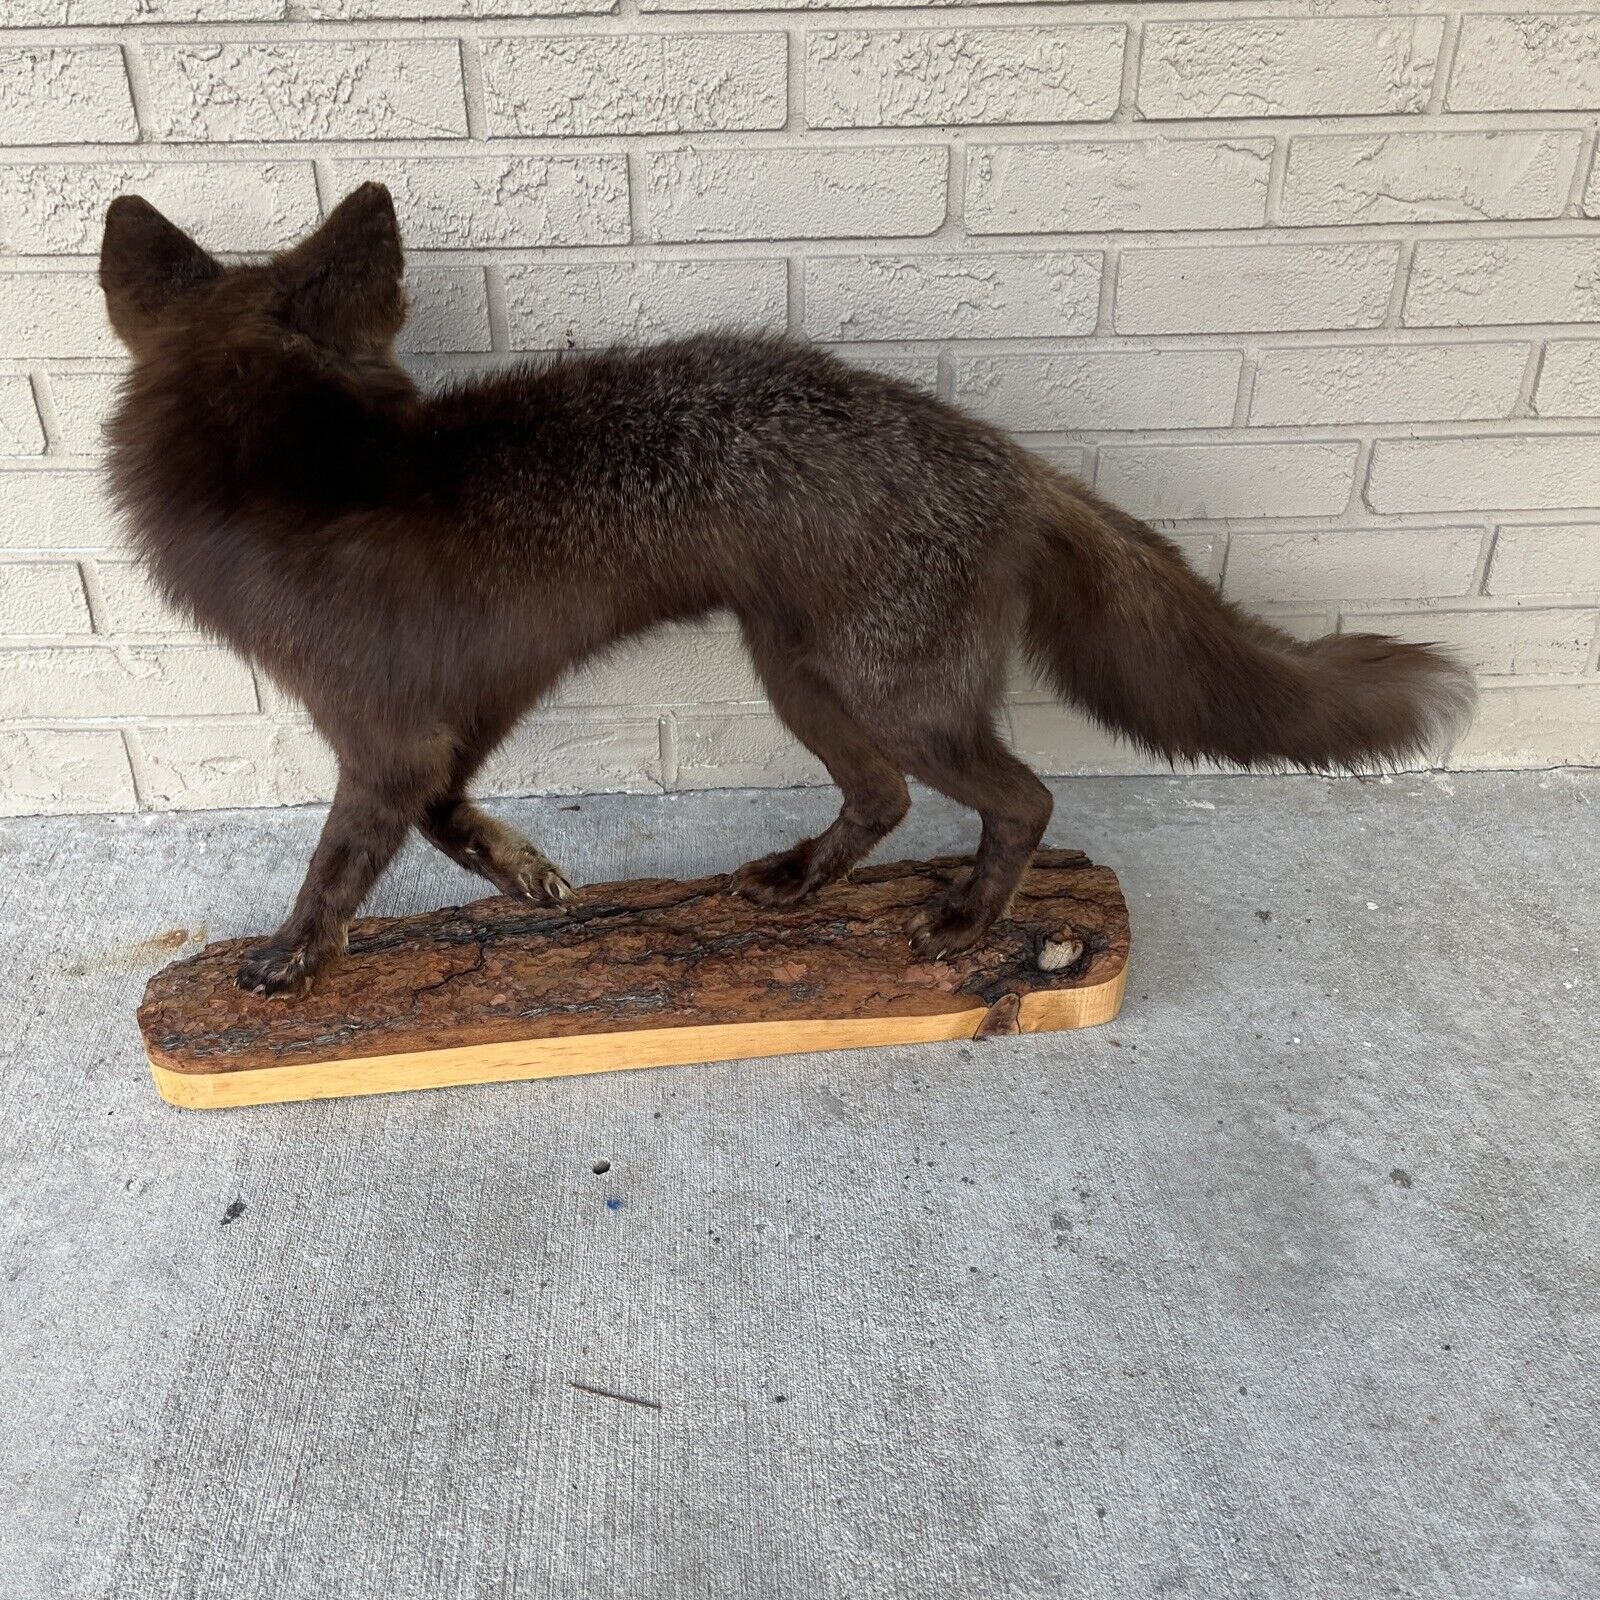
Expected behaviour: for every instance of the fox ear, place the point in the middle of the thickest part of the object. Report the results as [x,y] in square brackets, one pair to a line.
[146,263]
[343,282]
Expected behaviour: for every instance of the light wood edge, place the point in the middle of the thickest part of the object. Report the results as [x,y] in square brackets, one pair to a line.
[1047,1011]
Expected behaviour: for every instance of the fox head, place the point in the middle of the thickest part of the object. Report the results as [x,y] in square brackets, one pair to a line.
[337,293]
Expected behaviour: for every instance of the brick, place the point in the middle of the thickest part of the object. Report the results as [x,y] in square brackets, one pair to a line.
[952,296]
[1473,283]
[1023,685]
[120,681]
[1124,183]
[130,603]
[1533,726]
[802,5]
[739,750]
[21,431]
[681,666]
[1350,66]
[1548,558]
[377,89]
[61,771]
[1056,739]
[42,597]
[1523,63]
[449,311]
[56,511]
[902,313]
[83,403]
[1334,564]
[1428,177]
[918,368]
[97,13]
[1079,390]
[1504,643]
[1387,383]
[1303,625]
[75,95]
[1198,549]
[564,753]
[635,83]
[519,201]
[1569,381]
[193,765]
[1255,288]
[1228,480]
[54,314]
[923,77]
[277,703]
[580,306]
[795,193]
[59,208]
[1507,474]
[466,10]
[1072,459]
[83,13]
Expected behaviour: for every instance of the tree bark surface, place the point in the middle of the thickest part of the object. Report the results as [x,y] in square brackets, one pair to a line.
[643,955]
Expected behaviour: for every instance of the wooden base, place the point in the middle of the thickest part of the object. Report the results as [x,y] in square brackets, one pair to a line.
[650,973]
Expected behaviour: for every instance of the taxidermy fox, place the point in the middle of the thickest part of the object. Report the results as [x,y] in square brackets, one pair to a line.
[420,569]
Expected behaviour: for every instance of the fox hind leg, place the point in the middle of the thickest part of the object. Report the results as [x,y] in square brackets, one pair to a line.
[483,844]
[874,790]
[974,768]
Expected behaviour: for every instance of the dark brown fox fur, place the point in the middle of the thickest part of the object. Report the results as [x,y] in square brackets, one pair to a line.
[419,570]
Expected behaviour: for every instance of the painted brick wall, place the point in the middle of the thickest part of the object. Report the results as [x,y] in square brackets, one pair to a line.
[1319,292]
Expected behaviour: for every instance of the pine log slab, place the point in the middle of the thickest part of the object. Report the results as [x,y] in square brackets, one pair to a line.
[646,973]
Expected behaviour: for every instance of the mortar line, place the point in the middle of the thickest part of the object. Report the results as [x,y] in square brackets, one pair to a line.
[494,291]
[1246,389]
[1486,550]
[1531,373]
[794,80]
[795,286]
[1132,66]
[474,89]
[1444,66]
[1105,325]
[1581,174]
[94,596]
[1394,310]
[139,91]
[44,404]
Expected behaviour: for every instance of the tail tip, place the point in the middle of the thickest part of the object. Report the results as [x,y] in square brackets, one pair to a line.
[1439,693]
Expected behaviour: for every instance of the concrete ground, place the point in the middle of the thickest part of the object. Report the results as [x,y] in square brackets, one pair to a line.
[1282,1285]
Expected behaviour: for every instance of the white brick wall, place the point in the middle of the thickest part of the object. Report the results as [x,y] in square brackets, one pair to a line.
[1317,287]
[635,83]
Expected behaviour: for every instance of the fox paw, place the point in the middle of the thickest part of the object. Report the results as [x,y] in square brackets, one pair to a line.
[531,876]
[274,972]
[946,926]
[776,881]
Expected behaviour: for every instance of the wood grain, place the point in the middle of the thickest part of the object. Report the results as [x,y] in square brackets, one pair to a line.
[650,972]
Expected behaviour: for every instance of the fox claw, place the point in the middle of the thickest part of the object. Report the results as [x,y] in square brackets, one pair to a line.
[542,883]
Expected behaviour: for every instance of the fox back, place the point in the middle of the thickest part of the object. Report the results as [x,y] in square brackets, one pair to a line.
[421,569]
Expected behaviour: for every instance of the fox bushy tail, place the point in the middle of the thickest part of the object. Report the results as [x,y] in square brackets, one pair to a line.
[1118,623]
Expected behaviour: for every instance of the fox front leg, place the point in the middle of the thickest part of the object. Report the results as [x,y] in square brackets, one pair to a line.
[367,824]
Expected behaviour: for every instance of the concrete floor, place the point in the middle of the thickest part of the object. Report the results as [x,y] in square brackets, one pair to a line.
[1282,1285]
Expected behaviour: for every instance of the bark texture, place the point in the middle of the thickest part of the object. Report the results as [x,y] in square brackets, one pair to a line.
[648,953]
